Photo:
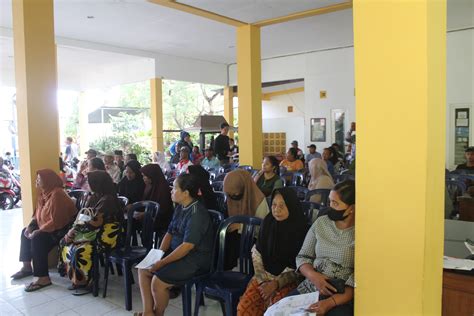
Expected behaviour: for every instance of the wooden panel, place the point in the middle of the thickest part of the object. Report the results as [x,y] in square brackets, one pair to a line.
[458,294]
[274,144]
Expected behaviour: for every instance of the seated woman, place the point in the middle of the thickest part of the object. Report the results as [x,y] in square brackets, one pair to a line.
[187,246]
[328,254]
[268,178]
[292,163]
[160,159]
[132,186]
[103,227]
[90,165]
[320,177]
[157,190]
[54,213]
[281,236]
[243,198]
[206,193]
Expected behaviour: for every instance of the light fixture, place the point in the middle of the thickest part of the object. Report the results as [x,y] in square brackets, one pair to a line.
[91,17]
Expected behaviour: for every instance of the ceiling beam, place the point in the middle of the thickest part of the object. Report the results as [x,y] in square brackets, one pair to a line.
[305,14]
[199,12]
[267,96]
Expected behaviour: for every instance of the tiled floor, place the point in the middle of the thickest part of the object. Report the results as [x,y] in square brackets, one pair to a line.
[56,299]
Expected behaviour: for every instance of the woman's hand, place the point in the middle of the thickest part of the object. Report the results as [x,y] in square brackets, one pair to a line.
[322,307]
[33,234]
[267,289]
[157,266]
[320,281]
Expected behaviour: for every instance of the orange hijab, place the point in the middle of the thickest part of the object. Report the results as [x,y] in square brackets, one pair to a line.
[239,183]
[54,208]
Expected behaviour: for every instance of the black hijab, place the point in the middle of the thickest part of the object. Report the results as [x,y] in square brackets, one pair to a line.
[132,189]
[280,242]
[158,191]
[207,196]
[104,196]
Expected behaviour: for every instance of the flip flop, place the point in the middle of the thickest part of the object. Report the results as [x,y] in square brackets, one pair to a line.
[82,291]
[21,274]
[73,287]
[35,286]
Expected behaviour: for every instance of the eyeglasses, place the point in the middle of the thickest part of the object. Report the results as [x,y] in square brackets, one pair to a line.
[235,197]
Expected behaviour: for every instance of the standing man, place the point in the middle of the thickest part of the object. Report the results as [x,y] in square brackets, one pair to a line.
[221,145]
[71,150]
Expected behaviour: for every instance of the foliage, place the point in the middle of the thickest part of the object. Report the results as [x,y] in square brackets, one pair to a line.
[135,95]
[72,124]
[128,135]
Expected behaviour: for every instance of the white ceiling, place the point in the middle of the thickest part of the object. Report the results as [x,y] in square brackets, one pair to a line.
[142,26]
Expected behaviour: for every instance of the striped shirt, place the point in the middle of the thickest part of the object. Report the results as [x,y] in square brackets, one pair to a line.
[329,250]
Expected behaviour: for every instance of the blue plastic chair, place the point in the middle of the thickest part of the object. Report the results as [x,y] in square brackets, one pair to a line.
[80,196]
[323,194]
[246,168]
[220,177]
[297,179]
[217,185]
[221,203]
[228,286]
[308,210]
[216,218]
[129,255]
[300,192]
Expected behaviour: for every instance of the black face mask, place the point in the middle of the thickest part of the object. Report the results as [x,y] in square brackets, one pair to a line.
[337,215]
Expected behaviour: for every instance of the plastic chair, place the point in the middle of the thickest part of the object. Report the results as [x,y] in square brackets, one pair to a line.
[221,202]
[308,210]
[246,168]
[220,177]
[228,286]
[123,200]
[323,194]
[297,179]
[300,192]
[130,255]
[216,218]
[218,185]
[80,196]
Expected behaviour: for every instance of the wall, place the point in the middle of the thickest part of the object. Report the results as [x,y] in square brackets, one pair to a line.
[331,70]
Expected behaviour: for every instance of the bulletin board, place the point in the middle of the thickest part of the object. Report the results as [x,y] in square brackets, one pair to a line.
[274,143]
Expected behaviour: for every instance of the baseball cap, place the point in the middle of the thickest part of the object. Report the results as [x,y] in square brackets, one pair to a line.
[92,152]
[312,146]
[294,142]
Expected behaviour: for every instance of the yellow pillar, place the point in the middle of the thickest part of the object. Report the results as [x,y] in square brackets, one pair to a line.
[83,124]
[156,91]
[229,107]
[36,85]
[400,77]
[250,95]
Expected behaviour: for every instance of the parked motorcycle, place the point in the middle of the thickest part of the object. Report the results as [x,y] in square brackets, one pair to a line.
[7,195]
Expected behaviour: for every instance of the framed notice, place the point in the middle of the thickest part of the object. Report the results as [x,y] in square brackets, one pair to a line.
[318,129]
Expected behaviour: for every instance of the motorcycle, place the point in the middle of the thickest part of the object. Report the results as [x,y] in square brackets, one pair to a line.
[7,195]
[16,187]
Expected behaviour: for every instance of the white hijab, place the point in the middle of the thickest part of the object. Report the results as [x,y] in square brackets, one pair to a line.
[160,159]
[320,176]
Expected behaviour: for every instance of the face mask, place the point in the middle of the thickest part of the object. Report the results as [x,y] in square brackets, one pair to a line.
[337,215]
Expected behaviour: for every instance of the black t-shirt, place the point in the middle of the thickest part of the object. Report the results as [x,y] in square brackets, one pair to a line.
[464,166]
[221,146]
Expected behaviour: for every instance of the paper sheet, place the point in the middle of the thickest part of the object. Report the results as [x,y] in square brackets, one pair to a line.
[470,247]
[153,256]
[458,264]
[293,305]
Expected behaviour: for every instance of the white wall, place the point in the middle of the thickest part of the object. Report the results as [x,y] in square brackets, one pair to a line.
[329,70]
[460,84]
[333,71]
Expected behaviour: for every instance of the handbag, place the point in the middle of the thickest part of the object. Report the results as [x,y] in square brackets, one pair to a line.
[83,231]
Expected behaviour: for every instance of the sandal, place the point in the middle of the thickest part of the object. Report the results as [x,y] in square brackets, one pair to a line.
[21,274]
[73,287]
[82,290]
[36,286]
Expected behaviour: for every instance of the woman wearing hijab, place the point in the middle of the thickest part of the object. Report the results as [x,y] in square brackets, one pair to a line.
[281,235]
[160,159]
[243,198]
[104,226]
[51,219]
[157,190]
[132,186]
[206,193]
[320,177]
